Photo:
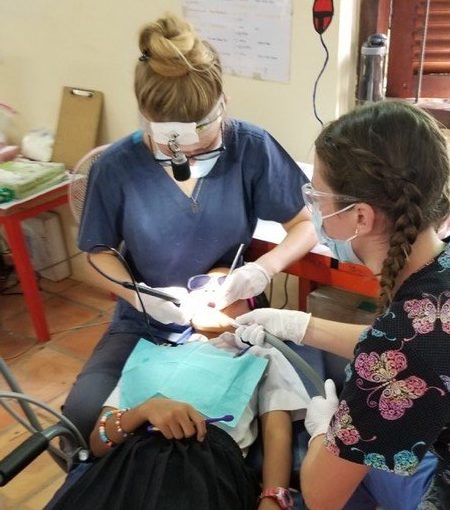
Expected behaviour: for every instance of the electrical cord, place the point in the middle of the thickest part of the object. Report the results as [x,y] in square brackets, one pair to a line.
[20,353]
[5,290]
[74,328]
[286,297]
[327,55]
[133,285]
[269,298]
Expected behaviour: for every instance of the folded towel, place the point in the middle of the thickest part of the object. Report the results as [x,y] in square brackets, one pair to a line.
[27,177]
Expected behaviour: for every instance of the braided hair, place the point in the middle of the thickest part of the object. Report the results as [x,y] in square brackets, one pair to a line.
[393,156]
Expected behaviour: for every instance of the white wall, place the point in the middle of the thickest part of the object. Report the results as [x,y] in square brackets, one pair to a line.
[46,44]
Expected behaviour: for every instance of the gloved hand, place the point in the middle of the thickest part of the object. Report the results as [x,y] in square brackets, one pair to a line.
[249,335]
[285,324]
[320,411]
[165,311]
[245,282]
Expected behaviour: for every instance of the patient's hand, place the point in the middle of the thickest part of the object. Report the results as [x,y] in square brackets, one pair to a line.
[175,420]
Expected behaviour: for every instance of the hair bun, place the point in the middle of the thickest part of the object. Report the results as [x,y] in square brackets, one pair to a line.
[173,47]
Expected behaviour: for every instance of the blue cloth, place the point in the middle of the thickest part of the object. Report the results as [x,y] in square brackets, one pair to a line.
[168,238]
[182,373]
[393,492]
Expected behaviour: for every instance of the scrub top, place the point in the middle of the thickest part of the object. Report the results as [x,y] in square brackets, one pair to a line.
[167,236]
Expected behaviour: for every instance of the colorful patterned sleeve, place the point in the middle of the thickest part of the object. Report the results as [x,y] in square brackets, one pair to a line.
[395,403]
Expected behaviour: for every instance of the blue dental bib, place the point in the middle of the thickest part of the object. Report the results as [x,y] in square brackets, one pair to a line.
[210,379]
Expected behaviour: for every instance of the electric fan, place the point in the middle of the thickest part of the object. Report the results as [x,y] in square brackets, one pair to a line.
[79,179]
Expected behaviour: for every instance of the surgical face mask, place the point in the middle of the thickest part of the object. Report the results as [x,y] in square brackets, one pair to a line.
[341,248]
[201,168]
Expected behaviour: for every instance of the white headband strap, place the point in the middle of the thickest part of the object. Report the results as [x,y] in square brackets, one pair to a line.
[184,133]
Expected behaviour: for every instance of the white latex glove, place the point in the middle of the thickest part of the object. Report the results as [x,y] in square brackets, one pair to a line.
[165,311]
[249,335]
[320,411]
[285,324]
[243,283]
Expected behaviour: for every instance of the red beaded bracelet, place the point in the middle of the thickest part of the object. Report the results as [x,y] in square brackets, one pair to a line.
[119,428]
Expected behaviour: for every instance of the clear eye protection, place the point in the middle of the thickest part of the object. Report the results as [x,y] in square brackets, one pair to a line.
[207,122]
[205,282]
[314,198]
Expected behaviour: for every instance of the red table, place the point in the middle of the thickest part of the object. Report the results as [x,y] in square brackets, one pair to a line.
[11,215]
[315,268]
[312,270]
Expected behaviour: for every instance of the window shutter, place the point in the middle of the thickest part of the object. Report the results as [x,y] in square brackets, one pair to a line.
[407,33]
[437,48]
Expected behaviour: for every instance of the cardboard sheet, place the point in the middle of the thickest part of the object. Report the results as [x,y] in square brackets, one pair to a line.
[78,125]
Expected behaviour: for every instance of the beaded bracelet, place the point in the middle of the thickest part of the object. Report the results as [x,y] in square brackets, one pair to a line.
[119,425]
[102,428]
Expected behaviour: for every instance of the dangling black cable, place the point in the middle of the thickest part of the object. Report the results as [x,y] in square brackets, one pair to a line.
[327,55]
[286,295]
[133,285]
[323,12]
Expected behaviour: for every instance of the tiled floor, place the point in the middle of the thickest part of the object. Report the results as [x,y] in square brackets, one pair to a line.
[77,315]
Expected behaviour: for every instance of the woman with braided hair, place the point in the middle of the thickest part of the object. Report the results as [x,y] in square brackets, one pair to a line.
[378,196]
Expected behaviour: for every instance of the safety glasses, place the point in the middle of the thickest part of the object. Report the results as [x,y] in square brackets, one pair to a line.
[205,281]
[313,197]
[205,123]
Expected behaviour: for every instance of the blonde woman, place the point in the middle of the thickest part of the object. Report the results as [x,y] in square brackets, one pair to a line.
[179,197]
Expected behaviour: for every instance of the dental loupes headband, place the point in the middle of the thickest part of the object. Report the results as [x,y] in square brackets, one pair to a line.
[185,133]
[180,163]
[176,134]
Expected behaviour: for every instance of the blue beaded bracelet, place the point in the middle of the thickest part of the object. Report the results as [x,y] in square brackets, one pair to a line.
[102,428]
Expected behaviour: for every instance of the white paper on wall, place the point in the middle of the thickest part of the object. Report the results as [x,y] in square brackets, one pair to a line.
[252,37]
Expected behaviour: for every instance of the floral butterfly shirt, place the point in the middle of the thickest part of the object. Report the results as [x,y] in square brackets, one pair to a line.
[395,404]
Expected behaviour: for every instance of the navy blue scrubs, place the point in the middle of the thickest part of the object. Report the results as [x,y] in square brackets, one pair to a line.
[131,201]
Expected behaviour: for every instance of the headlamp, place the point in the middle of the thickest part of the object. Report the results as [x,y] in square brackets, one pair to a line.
[179,161]
[176,134]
